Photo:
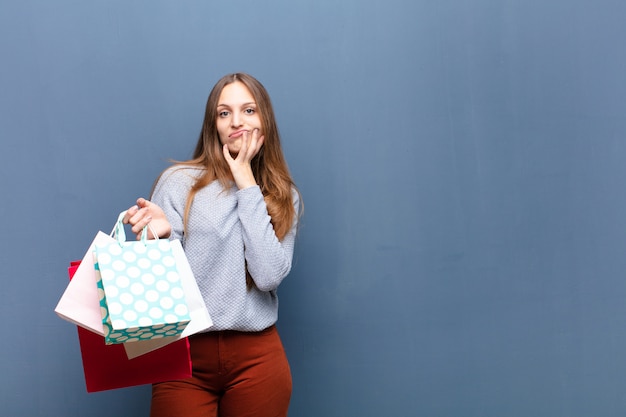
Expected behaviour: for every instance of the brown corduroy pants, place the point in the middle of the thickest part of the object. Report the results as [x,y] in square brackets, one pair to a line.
[235,374]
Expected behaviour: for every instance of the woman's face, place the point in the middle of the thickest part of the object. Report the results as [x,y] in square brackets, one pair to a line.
[237,114]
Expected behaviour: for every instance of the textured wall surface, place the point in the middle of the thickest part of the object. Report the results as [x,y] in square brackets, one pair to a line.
[461,161]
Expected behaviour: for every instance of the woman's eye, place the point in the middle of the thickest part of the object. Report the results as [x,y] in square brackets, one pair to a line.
[223,114]
[249,111]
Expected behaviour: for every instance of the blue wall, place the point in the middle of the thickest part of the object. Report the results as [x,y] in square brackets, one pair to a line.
[462,164]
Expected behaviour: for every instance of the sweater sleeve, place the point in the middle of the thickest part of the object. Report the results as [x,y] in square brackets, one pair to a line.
[170,193]
[268,259]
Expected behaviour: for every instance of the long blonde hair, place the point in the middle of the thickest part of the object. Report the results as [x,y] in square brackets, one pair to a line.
[269,165]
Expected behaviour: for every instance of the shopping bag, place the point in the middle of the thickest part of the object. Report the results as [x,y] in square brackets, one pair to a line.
[140,288]
[107,367]
[80,302]
[200,318]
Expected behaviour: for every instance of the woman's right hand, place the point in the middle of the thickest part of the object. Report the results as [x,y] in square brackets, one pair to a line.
[144,213]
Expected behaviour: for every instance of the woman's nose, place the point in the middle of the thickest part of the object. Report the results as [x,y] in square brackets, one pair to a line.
[235,120]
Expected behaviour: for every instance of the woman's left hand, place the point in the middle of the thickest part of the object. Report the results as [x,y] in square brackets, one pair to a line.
[240,167]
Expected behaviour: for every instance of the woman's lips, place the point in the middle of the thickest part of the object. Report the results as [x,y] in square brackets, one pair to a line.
[237,133]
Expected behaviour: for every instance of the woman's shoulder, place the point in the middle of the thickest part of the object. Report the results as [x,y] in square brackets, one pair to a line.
[177,179]
[181,173]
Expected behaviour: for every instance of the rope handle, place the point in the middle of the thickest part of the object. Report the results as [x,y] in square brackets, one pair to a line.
[119,233]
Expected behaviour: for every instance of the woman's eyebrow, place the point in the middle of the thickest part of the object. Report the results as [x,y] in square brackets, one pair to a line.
[250,103]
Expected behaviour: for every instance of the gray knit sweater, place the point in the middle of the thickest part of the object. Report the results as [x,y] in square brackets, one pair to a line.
[226,229]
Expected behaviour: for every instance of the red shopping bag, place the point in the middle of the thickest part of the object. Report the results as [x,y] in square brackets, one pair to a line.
[108,367]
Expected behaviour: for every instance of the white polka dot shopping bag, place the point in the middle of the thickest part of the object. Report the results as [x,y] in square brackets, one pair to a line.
[80,301]
[140,289]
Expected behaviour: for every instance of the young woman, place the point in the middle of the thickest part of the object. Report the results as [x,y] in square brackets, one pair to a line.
[235,208]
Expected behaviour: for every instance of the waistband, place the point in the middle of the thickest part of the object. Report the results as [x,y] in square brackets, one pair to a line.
[217,333]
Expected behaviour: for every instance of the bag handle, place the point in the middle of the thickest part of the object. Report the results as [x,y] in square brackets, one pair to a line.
[119,233]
